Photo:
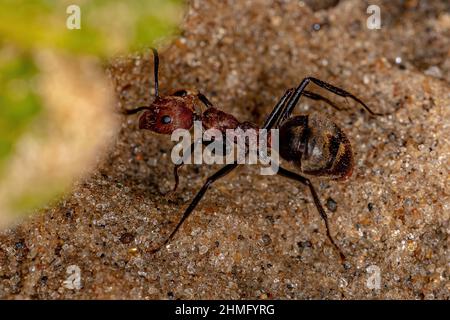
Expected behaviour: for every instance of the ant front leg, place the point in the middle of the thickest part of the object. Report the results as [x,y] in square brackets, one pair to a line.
[307,182]
[275,118]
[216,176]
[171,193]
[204,100]
[186,155]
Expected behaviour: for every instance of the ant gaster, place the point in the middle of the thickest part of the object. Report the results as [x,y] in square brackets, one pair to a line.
[315,145]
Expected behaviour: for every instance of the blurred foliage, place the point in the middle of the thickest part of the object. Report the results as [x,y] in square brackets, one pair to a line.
[108,27]
[19,103]
[29,27]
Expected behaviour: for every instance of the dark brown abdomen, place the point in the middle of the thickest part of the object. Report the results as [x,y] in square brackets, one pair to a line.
[316,146]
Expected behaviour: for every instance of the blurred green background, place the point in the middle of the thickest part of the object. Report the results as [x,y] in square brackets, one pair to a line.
[19,103]
[108,28]
[28,27]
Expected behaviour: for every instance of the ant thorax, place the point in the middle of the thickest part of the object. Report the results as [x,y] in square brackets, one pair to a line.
[214,118]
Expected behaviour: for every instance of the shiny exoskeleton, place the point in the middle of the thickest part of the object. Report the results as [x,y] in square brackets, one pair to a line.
[317,146]
[314,144]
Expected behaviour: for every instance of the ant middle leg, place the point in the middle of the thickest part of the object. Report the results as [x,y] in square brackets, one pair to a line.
[186,155]
[307,182]
[274,116]
[313,96]
[216,176]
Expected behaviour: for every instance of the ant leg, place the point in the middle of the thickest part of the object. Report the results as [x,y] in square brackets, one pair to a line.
[282,111]
[307,182]
[279,107]
[172,192]
[343,93]
[301,88]
[318,97]
[216,176]
[155,70]
[315,96]
[186,154]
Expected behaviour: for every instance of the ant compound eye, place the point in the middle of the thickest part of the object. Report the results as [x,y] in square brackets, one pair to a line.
[166,119]
[180,93]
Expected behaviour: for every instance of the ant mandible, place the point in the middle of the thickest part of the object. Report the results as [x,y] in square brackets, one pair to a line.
[315,145]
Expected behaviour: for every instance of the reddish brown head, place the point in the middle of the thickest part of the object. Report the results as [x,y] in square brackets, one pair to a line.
[169,113]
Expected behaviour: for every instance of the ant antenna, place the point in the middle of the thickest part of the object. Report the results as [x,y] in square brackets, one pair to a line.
[156,67]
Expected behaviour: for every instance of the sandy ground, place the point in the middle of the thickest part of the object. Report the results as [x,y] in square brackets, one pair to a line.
[256,236]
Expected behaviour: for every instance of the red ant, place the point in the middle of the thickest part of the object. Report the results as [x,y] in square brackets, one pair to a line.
[315,145]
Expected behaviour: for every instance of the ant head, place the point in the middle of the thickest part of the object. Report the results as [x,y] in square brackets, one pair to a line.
[166,114]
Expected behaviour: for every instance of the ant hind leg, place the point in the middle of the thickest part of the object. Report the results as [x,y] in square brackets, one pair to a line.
[307,182]
[318,97]
[342,93]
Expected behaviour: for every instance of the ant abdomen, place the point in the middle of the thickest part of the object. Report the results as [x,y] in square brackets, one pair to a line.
[317,146]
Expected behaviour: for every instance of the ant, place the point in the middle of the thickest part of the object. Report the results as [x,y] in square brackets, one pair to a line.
[315,145]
